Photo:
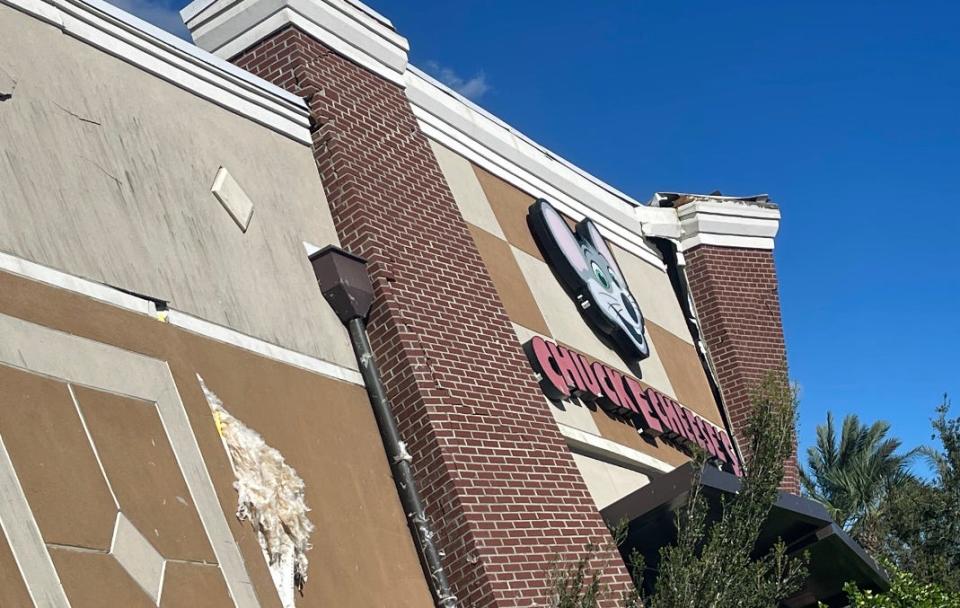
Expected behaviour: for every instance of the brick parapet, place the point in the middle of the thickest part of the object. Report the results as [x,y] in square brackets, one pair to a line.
[737,298]
[498,479]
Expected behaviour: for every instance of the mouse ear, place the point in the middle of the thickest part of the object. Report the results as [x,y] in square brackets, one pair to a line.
[589,232]
[558,242]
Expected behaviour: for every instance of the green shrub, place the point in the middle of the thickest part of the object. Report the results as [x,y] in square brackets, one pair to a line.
[905,592]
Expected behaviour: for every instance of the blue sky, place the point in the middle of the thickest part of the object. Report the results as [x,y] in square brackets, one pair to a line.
[846,113]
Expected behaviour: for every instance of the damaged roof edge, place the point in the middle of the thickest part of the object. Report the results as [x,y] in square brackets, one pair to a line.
[678,199]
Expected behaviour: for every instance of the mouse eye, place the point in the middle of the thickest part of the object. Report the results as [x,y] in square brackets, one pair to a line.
[601,276]
[613,277]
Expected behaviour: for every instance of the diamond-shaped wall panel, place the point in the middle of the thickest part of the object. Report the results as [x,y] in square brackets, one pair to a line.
[233,198]
[138,557]
[144,473]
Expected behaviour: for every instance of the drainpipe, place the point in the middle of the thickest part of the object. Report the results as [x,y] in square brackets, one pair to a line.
[345,283]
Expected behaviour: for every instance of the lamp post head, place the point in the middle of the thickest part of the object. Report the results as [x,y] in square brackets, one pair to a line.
[344,282]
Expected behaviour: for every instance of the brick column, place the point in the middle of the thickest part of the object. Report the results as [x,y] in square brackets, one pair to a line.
[498,478]
[728,249]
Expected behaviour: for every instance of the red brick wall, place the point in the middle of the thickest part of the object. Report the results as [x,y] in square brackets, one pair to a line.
[736,296]
[498,479]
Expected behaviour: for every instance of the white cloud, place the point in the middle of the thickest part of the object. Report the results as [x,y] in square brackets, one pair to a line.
[156,12]
[471,88]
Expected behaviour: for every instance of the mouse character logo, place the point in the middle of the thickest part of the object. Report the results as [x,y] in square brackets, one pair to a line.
[589,272]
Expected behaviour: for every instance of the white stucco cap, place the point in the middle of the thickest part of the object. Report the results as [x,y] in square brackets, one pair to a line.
[746,222]
[349,27]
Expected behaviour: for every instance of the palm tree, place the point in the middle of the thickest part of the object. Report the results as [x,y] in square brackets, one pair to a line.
[853,476]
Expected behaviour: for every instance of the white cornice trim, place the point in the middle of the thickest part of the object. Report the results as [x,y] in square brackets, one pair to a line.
[228,27]
[120,34]
[726,240]
[593,445]
[728,223]
[487,141]
[115,297]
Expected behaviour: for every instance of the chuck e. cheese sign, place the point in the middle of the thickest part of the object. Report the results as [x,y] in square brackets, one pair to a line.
[590,274]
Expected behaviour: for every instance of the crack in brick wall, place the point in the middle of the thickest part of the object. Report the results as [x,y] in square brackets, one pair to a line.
[738,304]
[498,479]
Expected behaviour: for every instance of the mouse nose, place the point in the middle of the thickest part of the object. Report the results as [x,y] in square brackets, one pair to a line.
[629,307]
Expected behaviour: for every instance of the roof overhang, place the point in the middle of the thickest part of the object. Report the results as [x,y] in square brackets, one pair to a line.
[803,524]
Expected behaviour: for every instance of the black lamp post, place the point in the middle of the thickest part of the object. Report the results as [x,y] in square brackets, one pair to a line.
[346,285]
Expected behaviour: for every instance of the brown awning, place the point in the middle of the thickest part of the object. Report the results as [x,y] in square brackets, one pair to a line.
[801,523]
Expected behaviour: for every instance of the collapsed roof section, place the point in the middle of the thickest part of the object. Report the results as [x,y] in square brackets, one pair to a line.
[679,199]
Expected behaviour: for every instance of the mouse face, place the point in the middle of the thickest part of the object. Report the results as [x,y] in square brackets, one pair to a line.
[588,270]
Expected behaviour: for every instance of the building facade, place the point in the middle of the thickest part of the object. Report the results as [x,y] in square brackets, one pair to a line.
[549,345]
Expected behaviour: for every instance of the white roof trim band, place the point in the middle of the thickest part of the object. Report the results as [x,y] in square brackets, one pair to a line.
[728,223]
[164,55]
[473,133]
[228,27]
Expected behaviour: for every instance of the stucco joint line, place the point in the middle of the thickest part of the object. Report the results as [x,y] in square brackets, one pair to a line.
[163,576]
[96,454]
[78,549]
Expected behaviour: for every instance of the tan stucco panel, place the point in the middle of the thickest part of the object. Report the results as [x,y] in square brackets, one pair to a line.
[510,205]
[590,418]
[194,586]
[511,285]
[569,327]
[615,428]
[313,420]
[621,431]
[325,430]
[96,580]
[85,126]
[54,461]
[466,189]
[558,309]
[144,474]
[649,285]
[683,366]
[652,289]
[564,412]
[13,591]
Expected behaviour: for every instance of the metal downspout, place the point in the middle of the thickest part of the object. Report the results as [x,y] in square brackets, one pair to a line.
[400,465]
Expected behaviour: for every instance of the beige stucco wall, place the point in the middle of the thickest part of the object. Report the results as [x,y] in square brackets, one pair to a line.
[608,482]
[105,173]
